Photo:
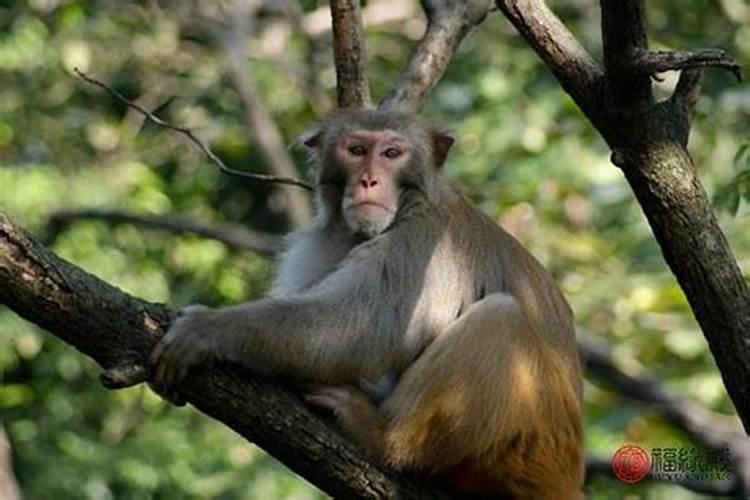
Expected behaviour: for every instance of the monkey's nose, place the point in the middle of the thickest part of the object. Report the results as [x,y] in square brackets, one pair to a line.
[368,182]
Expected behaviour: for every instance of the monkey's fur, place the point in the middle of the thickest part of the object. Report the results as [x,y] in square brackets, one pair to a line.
[412,283]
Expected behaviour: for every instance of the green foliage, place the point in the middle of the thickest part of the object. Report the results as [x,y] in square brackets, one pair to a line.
[524,154]
[729,195]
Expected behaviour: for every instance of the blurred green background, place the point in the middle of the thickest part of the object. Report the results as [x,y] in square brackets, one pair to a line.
[524,154]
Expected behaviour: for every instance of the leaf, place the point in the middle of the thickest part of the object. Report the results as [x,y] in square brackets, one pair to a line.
[741,159]
[728,198]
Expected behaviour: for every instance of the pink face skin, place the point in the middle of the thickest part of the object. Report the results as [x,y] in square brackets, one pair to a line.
[371,160]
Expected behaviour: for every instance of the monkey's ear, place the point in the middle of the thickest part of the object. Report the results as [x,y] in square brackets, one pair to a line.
[442,140]
[310,139]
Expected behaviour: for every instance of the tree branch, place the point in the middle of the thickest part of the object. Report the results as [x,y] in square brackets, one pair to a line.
[660,61]
[350,54]
[648,140]
[118,331]
[192,137]
[576,70]
[235,236]
[448,22]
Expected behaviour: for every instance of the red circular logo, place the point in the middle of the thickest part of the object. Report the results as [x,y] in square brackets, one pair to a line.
[631,463]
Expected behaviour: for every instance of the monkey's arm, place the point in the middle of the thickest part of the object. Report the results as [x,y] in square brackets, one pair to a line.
[332,333]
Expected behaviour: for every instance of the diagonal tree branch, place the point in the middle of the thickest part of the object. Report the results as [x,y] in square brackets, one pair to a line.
[235,236]
[118,331]
[448,22]
[350,54]
[579,74]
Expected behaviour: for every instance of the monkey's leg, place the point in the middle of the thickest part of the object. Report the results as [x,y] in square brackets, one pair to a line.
[490,408]
[355,413]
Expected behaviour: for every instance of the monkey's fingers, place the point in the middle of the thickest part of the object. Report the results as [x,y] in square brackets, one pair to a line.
[153,358]
[329,397]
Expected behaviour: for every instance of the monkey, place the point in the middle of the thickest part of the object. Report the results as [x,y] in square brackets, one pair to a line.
[441,346]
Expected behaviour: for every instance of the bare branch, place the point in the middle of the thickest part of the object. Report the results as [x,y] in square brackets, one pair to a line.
[232,235]
[119,330]
[660,61]
[192,137]
[350,54]
[576,70]
[448,22]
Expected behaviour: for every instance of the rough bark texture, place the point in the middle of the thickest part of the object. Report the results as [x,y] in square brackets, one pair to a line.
[649,142]
[118,331]
[350,54]
[448,22]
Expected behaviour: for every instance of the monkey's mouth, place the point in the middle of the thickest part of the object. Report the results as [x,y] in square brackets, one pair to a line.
[368,205]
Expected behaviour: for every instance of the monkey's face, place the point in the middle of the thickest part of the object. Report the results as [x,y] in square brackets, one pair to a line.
[371,162]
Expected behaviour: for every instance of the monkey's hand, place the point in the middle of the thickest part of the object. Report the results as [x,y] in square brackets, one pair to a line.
[190,341]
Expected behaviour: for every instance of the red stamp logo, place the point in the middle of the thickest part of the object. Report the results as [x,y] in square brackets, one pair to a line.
[631,463]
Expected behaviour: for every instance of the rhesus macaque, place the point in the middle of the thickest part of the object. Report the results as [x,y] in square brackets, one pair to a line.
[438,342]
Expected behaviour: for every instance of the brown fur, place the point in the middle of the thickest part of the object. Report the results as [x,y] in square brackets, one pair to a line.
[478,336]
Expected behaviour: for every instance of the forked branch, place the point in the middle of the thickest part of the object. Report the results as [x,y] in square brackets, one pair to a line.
[448,22]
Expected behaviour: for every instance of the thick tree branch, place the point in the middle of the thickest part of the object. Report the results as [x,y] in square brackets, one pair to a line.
[448,22]
[648,140]
[118,330]
[192,138]
[576,70]
[232,235]
[350,54]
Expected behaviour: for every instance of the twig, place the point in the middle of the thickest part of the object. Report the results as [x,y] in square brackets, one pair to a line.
[232,235]
[350,54]
[192,137]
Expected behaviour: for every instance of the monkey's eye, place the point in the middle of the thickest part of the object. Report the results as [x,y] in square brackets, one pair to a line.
[392,153]
[357,150]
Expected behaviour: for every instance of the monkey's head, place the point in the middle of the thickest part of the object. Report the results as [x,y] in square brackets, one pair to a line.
[370,163]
